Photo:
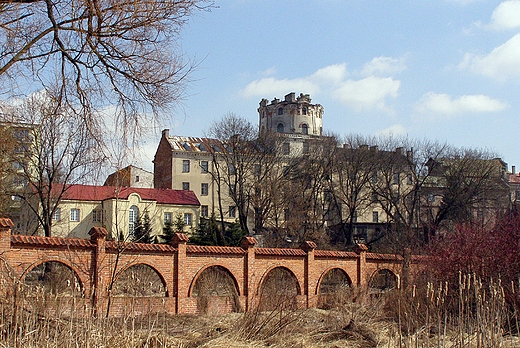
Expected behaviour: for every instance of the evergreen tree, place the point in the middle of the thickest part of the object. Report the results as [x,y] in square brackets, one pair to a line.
[142,230]
[206,233]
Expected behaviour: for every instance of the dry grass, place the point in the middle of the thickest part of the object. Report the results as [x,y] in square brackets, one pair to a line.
[430,316]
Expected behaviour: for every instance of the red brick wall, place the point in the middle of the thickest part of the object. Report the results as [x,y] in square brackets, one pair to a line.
[96,262]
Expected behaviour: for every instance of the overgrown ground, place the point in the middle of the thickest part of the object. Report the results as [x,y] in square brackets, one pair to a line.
[361,321]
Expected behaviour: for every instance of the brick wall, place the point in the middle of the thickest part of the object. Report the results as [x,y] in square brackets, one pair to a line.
[98,262]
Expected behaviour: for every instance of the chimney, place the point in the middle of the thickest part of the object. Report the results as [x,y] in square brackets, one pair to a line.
[513,170]
[166,133]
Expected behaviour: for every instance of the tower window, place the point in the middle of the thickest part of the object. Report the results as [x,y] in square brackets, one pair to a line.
[280,111]
[305,129]
[304,110]
[280,128]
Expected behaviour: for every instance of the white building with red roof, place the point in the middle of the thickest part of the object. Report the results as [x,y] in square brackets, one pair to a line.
[118,209]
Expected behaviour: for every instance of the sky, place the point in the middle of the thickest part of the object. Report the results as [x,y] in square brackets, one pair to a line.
[445,70]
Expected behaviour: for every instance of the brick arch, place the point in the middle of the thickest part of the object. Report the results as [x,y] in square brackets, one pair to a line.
[383,279]
[152,267]
[66,263]
[326,272]
[200,271]
[269,270]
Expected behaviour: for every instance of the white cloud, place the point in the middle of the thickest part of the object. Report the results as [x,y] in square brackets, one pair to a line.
[440,105]
[383,66]
[272,86]
[332,74]
[368,93]
[506,16]
[502,63]
[395,130]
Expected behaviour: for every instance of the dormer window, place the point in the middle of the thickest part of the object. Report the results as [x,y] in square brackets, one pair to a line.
[280,111]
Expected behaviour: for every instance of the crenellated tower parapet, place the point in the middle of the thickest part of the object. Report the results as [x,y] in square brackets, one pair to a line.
[293,115]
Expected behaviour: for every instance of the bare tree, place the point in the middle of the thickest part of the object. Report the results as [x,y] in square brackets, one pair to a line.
[56,151]
[97,53]
[244,150]
[352,170]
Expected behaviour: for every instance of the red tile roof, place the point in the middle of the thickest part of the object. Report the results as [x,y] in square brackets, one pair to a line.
[335,254]
[384,257]
[206,249]
[280,252]
[101,193]
[115,246]
[18,239]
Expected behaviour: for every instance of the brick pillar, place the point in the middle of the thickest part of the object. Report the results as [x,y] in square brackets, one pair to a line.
[361,250]
[181,285]
[248,244]
[309,275]
[5,234]
[100,275]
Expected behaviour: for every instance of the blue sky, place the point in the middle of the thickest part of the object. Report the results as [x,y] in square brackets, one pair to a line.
[446,70]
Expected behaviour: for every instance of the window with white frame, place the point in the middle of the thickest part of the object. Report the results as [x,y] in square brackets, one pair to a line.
[188,219]
[186,166]
[97,215]
[168,217]
[204,211]
[232,211]
[56,216]
[204,166]
[133,216]
[74,215]
[204,189]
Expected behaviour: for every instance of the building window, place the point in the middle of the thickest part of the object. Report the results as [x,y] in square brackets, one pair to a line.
[354,217]
[409,179]
[186,186]
[137,178]
[232,189]
[133,215]
[168,217]
[305,148]
[375,216]
[280,111]
[396,178]
[517,198]
[97,216]
[204,166]
[232,211]
[74,215]
[280,128]
[305,129]
[232,170]
[204,189]
[56,216]
[374,177]
[186,166]
[187,219]
[286,149]
[431,197]
[304,110]
[374,197]
[204,211]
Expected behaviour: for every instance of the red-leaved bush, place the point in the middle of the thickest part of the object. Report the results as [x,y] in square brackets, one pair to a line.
[471,249]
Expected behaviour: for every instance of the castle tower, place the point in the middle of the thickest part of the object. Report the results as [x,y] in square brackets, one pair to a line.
[293,115]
